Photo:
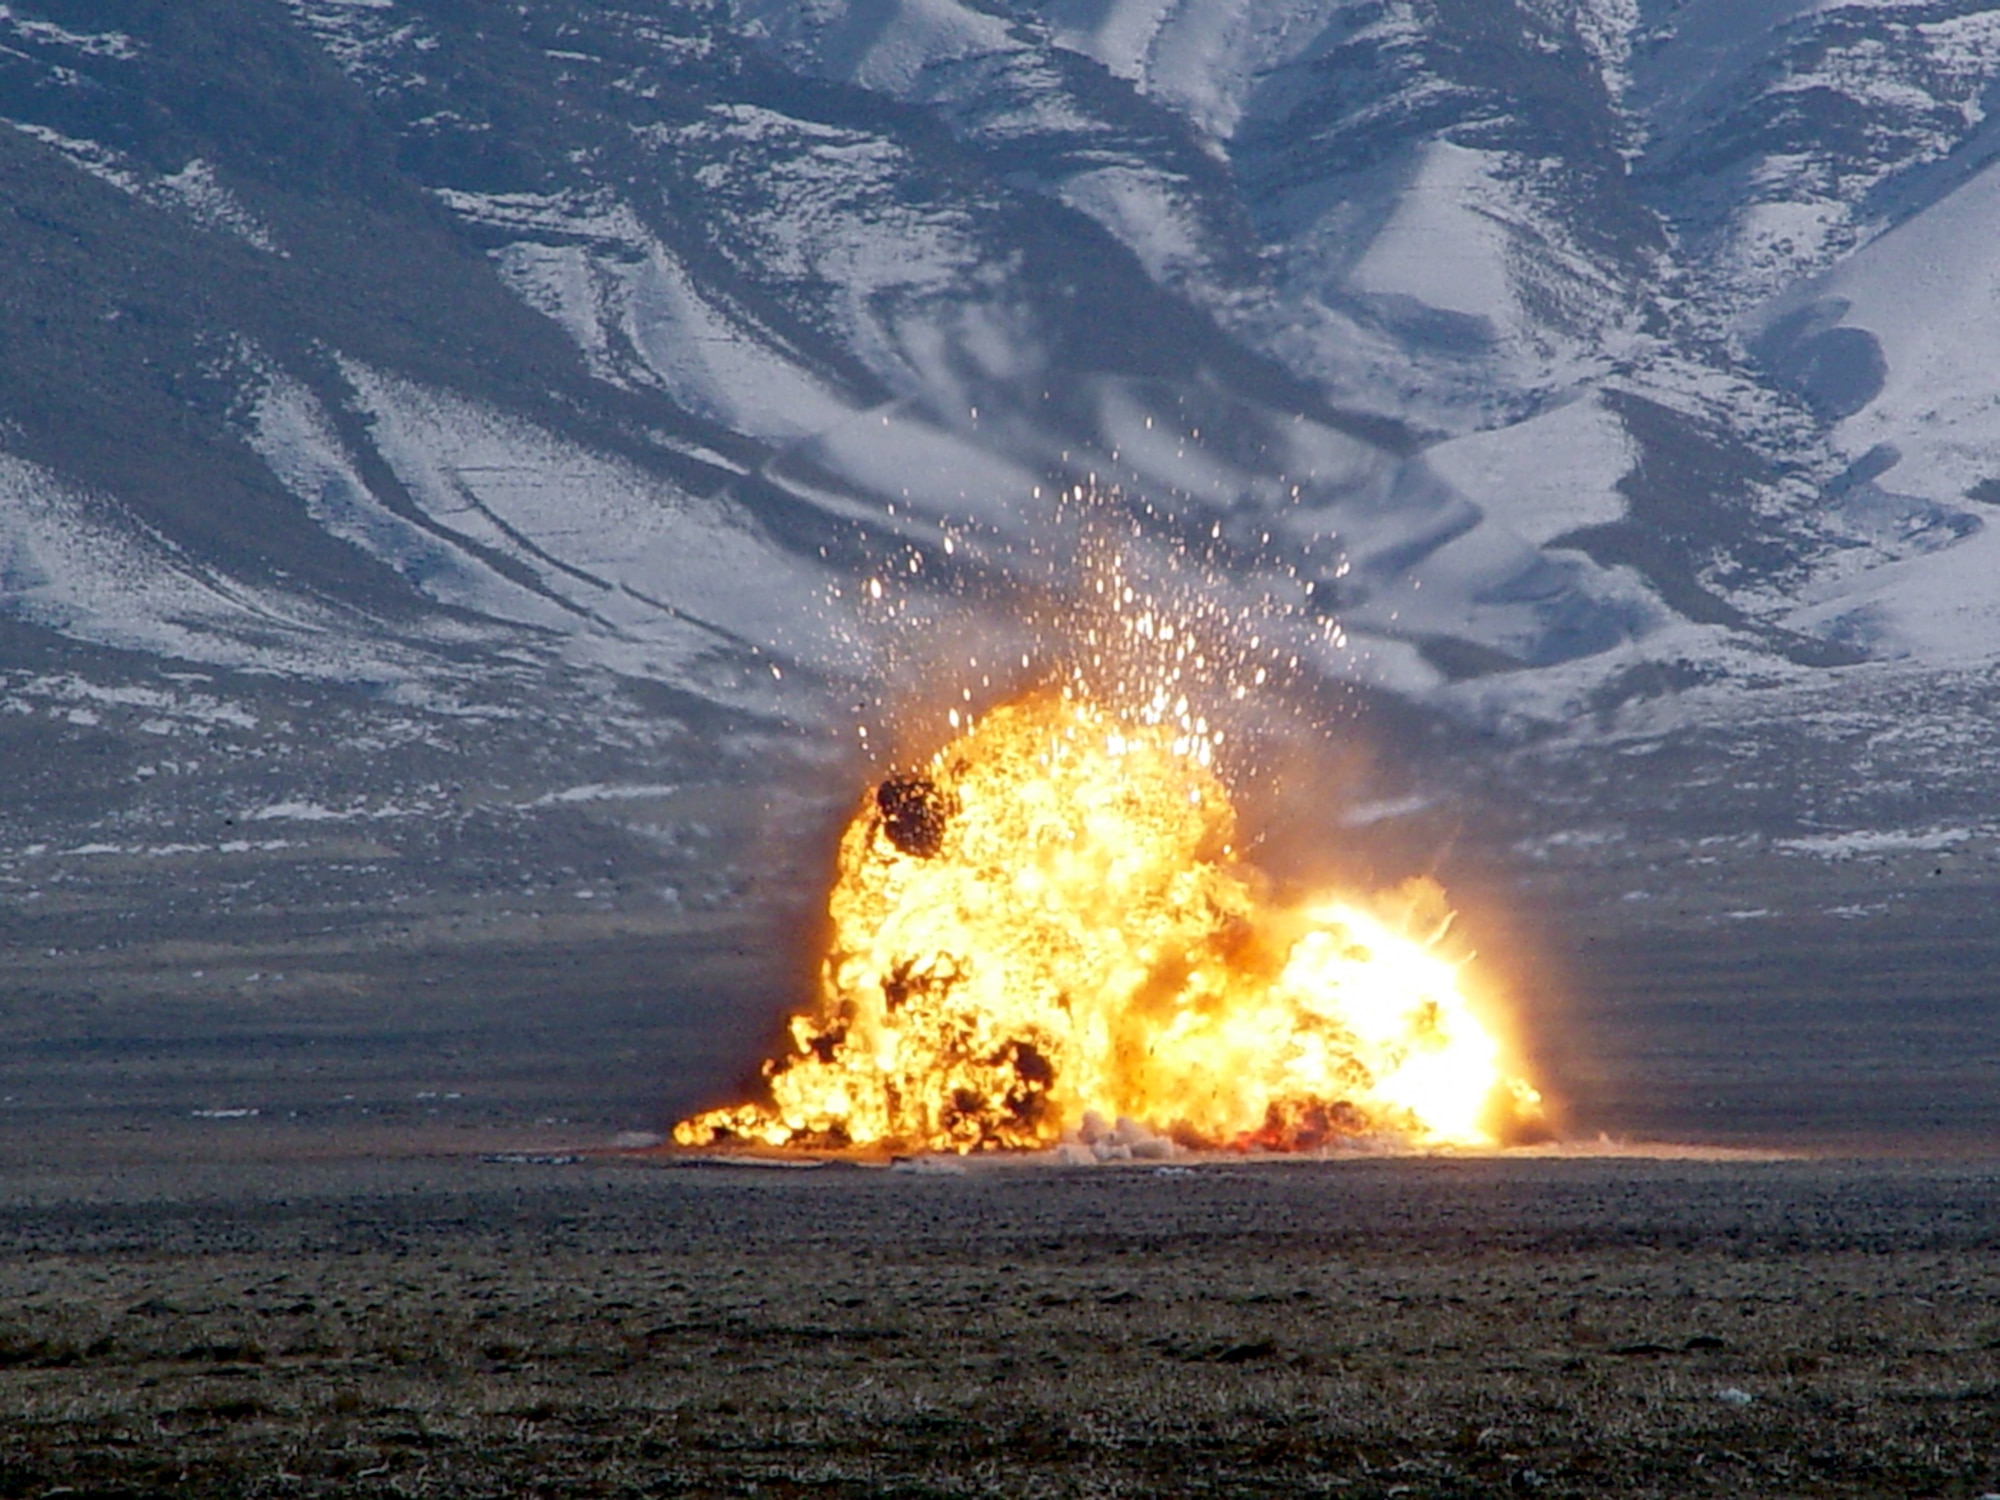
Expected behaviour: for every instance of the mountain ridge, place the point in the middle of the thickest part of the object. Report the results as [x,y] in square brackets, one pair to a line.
[530,359]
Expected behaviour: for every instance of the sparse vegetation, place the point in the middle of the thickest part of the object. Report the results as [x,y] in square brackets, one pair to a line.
[1423,1328]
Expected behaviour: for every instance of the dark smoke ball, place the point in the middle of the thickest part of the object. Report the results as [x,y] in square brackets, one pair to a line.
[914,813]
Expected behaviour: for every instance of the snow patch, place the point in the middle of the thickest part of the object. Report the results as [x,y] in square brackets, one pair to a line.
[599,792]
[1202,60]
[1142,209]
[1554,473]
[1438,246]
[1929,292]
[296,437]
[194,193]
[200,194]
[611,284]
[1843,846]
[113,44]
[886,46]
[297,811]
[80,564]
[655,581]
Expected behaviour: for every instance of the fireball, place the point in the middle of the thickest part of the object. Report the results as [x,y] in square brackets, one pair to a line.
[1049,921]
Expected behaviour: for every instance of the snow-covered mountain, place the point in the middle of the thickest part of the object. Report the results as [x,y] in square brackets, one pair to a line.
[1571,371]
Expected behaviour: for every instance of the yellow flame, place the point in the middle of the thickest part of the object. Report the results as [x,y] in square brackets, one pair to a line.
[1051,921]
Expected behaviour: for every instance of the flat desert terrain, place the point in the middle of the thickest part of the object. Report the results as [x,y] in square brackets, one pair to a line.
[295,1208]
[465,1326]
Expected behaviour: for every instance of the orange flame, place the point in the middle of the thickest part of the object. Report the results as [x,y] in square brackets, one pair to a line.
[1050,922]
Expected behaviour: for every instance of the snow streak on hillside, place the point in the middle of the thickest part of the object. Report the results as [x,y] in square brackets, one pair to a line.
[1526,344]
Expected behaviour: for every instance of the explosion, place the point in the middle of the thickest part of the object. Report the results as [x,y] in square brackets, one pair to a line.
[1050,920]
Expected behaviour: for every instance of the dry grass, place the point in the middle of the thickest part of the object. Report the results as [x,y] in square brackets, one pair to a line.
[1422,1329]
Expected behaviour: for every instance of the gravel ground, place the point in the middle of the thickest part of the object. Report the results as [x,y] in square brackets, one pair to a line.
[308,1210]
[462,1326]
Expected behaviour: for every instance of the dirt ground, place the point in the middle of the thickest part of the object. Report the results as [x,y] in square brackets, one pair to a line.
[322,1209]
[498,1325]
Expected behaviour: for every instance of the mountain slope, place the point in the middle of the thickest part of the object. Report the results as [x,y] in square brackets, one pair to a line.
[1506,362]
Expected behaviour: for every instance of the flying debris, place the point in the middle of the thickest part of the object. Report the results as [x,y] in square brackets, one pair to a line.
[914,813]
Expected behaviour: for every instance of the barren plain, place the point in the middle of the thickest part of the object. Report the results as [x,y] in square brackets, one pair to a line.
[1421,1327]
[323,1208]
